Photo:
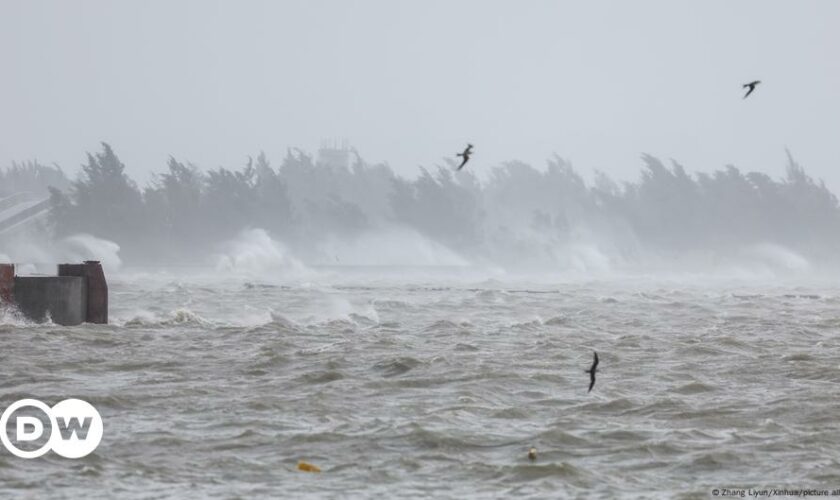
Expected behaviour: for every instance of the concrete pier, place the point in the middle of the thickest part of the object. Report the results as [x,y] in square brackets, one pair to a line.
[77,295]
[97,288]
[62,298]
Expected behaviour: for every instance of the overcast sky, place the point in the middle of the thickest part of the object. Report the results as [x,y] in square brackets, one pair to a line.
[408,82]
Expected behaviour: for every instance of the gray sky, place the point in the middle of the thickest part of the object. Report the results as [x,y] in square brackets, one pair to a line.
[409,82]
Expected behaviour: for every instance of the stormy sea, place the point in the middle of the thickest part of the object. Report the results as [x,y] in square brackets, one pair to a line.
[436,382]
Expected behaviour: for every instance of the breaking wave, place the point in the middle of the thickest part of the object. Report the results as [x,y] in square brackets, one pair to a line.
[255,253]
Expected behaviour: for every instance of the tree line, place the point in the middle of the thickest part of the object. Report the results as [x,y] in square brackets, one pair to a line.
[518,211]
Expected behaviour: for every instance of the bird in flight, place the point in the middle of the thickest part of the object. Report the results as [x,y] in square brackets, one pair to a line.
[591,372]
[466,155]
[752,86]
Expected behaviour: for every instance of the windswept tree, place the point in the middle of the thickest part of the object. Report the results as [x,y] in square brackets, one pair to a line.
[664,205]
[103,202]
[174,202]
[812,210]
[445,207]
[273,206]
[31,177]
[230,201]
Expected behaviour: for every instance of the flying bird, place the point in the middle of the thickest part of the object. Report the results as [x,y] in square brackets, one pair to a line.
[752,86]
[591,372]
[466,155]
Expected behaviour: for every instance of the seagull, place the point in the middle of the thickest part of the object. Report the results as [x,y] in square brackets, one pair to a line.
[751,85]
[466,154]
[591,372]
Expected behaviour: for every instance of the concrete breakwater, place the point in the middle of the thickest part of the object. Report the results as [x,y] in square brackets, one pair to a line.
[78,294]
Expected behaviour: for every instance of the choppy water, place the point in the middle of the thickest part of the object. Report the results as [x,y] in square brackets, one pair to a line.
[405,386]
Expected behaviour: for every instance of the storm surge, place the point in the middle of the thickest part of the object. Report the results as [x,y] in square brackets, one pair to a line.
[438,389]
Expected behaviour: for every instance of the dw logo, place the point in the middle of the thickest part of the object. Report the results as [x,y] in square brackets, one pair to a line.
[74,428]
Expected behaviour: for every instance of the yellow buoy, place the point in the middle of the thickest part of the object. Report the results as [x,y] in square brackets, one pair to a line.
[307,467]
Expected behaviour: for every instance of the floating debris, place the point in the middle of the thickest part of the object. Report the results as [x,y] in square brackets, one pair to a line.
[307,467]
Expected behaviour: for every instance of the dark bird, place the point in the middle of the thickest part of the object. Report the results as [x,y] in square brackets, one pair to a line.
[466,155]
[591,372]
[752,86]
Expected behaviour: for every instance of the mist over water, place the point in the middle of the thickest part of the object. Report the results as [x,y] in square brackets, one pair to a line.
[415,337]
[215,382]
[36,253]
[334,209]
[411,328]
[253,252]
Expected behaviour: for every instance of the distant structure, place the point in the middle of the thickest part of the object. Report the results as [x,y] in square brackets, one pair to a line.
[79,294]
[335,153]
[20,209]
